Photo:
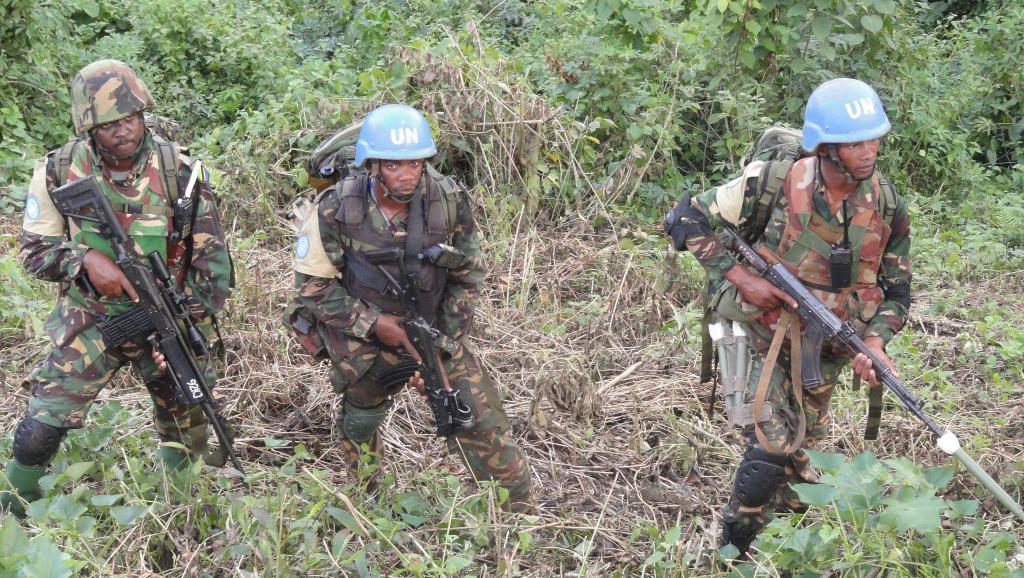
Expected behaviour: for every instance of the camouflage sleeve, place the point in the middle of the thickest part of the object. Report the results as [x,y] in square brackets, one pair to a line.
[209,276]
[45,253]
[464,283]
[333,307]
[894,277]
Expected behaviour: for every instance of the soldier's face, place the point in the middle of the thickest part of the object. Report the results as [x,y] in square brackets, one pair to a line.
[401,177]
[859,157]
[121,137]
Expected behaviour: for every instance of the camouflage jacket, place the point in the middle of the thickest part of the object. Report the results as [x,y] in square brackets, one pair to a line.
[346,322]
[734,205]
[53,249]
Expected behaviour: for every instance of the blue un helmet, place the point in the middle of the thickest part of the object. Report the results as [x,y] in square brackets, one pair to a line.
[843,110]
[395,132]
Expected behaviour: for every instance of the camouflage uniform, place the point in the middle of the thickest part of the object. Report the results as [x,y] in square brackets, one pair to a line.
[800,231]
[80,363]
[329,320]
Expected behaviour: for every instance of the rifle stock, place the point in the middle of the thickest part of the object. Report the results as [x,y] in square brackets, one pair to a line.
[820,324]
[166,307]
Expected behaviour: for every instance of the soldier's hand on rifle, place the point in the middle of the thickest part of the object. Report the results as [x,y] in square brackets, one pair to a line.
[159,359]
[419,384]
[862,363]
[390,332]
[757,291]
[106,276]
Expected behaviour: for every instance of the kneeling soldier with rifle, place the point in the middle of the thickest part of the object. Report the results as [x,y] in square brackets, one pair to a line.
[388,270]
[128,228]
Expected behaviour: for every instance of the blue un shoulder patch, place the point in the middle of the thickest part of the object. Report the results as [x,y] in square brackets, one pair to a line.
[32,208]
[302,247]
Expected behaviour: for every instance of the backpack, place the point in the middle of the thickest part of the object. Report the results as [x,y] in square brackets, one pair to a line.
[331,161]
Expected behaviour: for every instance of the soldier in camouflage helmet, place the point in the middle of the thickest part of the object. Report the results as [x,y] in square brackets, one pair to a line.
[141,174]
[839,227]
[343,312]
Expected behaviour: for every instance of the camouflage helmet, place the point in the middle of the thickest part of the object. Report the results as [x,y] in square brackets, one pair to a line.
[105,91]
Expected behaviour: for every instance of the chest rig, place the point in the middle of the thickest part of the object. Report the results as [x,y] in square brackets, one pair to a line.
[431,220]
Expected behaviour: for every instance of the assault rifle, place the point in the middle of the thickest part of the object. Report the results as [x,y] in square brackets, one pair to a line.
[162,312]
[820,323]
[450,413]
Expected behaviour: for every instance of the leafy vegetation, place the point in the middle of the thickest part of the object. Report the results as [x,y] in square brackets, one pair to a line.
[575,123]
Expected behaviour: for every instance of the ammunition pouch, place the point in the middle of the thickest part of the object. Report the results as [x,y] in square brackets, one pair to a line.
[305,330]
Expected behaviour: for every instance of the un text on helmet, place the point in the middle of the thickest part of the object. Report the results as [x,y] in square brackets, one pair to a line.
[405,135]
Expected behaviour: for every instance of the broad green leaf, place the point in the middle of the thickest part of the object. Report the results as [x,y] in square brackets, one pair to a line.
[345,518]
[90,7]
[821,460]
[939,476]
[753,27]
[921,513]
[723,5]
[456,564]
[525,540]
[274,443]
[796,10]
[127,515]
[962,508]
[885,6]
[821,25]
[74,472]
[871,22]
[818,495]
[13,540]
[65,508]
[46,560]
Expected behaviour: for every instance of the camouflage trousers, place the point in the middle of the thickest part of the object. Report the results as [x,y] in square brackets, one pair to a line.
[778,420]
[67,381]
[486,449]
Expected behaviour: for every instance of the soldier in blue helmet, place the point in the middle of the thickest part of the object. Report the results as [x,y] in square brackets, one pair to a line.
[343,310]
[843,230]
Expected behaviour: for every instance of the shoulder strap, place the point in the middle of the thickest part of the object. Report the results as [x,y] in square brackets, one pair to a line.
[65,156]
[416,230]
[168,167]
[769,187]
[887,202]
[449,196]
[352,193]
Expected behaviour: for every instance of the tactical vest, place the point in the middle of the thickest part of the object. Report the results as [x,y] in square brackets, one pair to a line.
[364,280]
[142,207]
[807,238]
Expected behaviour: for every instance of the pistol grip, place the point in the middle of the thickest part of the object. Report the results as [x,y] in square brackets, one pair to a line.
[810,357]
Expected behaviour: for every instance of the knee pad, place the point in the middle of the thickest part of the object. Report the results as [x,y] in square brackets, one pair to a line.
[759,474]
[358,424]
[35,443]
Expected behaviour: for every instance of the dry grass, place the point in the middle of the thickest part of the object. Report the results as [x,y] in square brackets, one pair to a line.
[606,406]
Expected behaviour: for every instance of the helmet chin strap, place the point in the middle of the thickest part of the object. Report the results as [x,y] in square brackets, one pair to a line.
[110,156]
[379,182]
[833,155]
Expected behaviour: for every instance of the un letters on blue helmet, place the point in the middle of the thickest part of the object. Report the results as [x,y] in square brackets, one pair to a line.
[843,110]
[394,132]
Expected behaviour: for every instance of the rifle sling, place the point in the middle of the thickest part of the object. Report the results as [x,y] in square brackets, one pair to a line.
[414,246]
[785,322]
